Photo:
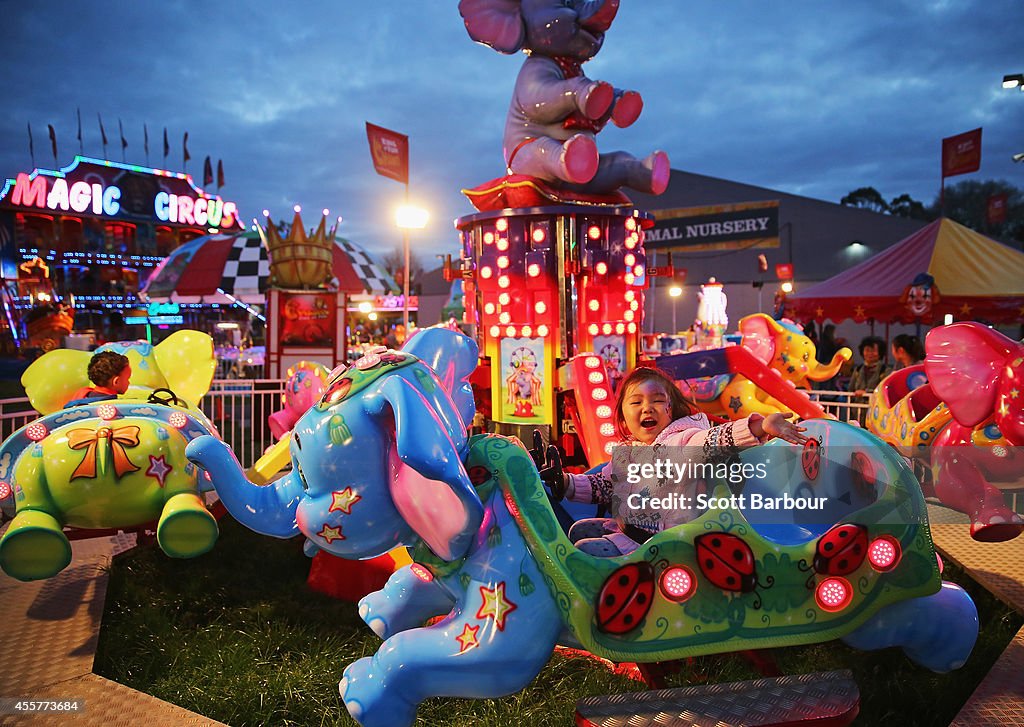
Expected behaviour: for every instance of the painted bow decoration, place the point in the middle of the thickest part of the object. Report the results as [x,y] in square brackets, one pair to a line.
[116,439]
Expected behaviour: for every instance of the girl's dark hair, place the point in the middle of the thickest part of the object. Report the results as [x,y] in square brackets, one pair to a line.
[104,366]
[879,343]
[681,405]
[911,344]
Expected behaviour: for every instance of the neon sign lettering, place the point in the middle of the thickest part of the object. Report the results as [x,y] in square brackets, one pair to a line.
[187,210]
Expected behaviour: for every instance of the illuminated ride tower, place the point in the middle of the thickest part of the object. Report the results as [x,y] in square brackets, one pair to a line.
[556,295]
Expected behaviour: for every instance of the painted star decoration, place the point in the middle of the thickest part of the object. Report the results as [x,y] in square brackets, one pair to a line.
[495,605]
[965,310]
[158,468]
[467,639]
[858,312]
[820,311]
[343,501]
[330,534]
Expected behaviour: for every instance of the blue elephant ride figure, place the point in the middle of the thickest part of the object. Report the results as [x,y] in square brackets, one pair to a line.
[383,459]
[112,462]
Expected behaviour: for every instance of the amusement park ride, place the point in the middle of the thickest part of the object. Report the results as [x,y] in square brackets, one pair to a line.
[381,455]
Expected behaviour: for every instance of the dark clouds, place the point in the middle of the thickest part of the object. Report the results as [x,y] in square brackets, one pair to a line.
[812,98]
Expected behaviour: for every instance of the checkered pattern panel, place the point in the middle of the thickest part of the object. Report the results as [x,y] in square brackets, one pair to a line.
[375,278]
[247,268]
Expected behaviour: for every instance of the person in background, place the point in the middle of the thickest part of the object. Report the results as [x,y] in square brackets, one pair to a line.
[110,373]
[907,350]
[867,375]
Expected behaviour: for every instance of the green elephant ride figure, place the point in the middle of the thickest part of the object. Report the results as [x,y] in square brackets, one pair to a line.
[117,461]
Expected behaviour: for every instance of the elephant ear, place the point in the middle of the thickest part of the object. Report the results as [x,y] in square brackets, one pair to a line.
[453,357]
[54,377]
[496,23]
[429,484]
[964,364]
[186,360]
[759,331]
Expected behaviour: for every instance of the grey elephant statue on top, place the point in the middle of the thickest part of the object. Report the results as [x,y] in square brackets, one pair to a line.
[556,111]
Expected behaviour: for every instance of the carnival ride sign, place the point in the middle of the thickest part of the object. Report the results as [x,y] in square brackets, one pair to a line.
[119,191]
[720,227]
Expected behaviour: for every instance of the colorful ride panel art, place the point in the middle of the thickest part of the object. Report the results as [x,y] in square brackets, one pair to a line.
[489,552]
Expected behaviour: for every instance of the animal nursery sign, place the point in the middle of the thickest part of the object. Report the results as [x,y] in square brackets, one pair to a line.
[720,227]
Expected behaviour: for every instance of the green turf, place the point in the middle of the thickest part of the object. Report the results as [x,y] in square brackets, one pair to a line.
[236,635]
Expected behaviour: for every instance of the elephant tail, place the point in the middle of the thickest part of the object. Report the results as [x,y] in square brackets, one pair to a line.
[937,631]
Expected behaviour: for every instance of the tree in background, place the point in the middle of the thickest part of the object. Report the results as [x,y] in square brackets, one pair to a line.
[394,263]
[866,198]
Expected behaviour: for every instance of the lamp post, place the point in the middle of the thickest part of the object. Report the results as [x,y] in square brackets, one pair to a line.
[408,218]
[675,291]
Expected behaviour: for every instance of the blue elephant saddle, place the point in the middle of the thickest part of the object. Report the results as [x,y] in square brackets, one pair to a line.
[725,581]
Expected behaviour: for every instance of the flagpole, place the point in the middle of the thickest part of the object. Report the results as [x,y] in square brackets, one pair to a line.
[405,277]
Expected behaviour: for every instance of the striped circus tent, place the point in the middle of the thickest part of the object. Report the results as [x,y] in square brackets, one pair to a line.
[224,268]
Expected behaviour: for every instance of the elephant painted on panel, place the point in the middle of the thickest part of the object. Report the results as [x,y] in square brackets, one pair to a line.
[383,459]
[556,111]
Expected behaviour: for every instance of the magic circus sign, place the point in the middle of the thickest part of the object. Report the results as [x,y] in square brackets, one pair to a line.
[90,187]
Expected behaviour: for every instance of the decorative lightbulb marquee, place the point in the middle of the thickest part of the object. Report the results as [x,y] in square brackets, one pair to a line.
[111,190]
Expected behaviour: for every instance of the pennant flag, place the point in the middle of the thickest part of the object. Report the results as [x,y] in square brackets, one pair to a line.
[53,142]
[145,141]
[31,145]
[390,152]
[961,154]
[124,142]
[220,173]
[103,134]
[185,156]
[81,150]
[207,172]
[167,147]
[996,209]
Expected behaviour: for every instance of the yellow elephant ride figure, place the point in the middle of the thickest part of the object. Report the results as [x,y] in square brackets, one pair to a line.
[905,412]
[114,462]
[781,347]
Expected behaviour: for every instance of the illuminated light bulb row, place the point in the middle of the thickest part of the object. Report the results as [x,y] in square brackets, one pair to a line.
[510,331]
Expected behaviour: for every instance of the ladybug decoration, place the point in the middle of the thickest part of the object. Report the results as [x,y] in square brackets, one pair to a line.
[810,458]
[726,561]
[478,475]
[841,550]
[863,475]
[625,598]
[336,392]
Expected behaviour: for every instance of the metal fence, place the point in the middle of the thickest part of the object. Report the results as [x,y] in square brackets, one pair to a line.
[239,408]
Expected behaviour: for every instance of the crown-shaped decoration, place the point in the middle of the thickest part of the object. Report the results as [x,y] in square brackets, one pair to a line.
[299,261]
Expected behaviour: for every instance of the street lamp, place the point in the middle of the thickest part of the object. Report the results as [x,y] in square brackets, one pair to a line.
[1015,80]
[674,292]
[408,218]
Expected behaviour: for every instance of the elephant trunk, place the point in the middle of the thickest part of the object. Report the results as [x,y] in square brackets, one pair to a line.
[824,372]
[937,631]
[596,16]
[269,509]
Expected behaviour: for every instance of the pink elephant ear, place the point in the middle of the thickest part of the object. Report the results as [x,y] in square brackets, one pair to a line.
[759,336]
[496,23]
[964,362]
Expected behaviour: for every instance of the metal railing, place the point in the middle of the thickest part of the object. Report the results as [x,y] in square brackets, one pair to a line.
[843,405]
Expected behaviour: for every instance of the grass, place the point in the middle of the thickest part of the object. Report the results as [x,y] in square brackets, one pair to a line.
[237,636]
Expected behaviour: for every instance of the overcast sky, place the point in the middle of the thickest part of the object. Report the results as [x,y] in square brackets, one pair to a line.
[812,98]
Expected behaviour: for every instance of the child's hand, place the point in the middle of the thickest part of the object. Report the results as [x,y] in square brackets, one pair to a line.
[778,425]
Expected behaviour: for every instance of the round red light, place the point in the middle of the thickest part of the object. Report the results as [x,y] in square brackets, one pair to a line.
[677,583]
[601,268]
[594,232]
[833,594]
[36,432]
[422,573]
[884,553]
[177,420]
[106,411]
[5,490]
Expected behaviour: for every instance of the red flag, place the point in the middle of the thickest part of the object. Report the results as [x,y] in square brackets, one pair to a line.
[185,156]
[53,142]
[996,209]
[220,173]
[124,142]
[784,271]
[207,172]
[390,152]
[961,154]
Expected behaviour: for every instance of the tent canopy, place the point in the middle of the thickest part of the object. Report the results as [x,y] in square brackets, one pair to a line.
[213,267]
[972,276]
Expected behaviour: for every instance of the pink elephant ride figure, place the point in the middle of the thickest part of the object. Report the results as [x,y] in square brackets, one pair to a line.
[556,111]
[305,385]
[979,374]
